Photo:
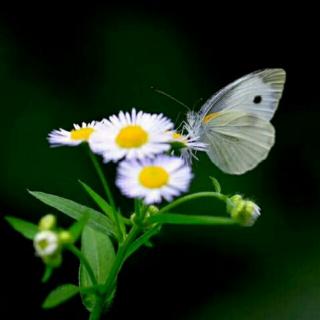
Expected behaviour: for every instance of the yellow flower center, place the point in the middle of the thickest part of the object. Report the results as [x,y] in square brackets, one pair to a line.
[43,244]
[153,177]
[81,134]
[180,138]
[132,136]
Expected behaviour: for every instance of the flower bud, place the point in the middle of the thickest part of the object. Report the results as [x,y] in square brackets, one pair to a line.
[65,237]
[48,222]
[245,212]
[152,210]
[133,218]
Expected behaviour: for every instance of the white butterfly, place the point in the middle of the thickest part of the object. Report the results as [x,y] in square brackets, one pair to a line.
[235,122]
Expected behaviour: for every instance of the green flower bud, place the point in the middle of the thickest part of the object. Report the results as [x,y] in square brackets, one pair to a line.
[152,210]
[65,237]
[133,218]
[245,212]
[48,222]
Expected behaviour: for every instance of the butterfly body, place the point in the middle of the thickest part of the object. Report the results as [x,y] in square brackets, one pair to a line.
[235,122]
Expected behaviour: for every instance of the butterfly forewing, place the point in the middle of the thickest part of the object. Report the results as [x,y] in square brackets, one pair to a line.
[257,93]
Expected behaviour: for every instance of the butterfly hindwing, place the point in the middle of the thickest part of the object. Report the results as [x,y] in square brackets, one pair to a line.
[237,141]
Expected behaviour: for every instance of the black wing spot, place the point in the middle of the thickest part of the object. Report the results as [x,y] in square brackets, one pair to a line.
[257,99]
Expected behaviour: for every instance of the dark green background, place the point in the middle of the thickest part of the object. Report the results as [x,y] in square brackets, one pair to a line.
[61,65]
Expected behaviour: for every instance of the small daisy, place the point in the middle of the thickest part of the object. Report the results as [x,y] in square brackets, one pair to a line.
[135,135]
[46,243]
[74,137]
[188,145]
[154,179]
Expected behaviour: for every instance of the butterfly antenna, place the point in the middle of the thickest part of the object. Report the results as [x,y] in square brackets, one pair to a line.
[170,97]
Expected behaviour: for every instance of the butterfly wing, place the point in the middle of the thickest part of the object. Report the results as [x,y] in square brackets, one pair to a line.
[257,93]
[237,141]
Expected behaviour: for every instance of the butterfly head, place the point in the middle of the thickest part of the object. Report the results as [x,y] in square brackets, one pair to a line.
[193,124]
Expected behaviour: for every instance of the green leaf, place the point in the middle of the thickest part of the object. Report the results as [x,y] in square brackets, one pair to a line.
[103,204]
[92,289]
[77,228]
[105,207]
[98,250]
[174,218]
[216,184]
[142,240]
[48,271]
[96,220]
[60,295]
[27,229]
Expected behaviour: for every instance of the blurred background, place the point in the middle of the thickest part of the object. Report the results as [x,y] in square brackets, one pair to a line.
[63,64]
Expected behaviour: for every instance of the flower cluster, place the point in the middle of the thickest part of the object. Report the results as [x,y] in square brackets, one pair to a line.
[153,163]
[49,241]
[145,145]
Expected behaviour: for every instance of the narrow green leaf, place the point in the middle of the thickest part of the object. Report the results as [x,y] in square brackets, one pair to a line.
[98,250]
[106,208]
[216,184]
[142,240]
[48,271]
[77,228]
[60,295]
[27,229]
[103,204]
[96,220]
[174,218]
[149,244]
[92,289]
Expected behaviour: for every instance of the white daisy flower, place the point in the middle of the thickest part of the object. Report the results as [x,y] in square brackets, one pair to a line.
[188,145]
[46,243]
[74,137]
[154,179]
[133,136]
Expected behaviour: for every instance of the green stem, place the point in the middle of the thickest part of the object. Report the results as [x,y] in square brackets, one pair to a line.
[193,196]
[176,218]
[102,178]
[116,267]
[72,248]
[137,206]
[142,240]
[120,258]
[107,191]
[126,221]
[97,309]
